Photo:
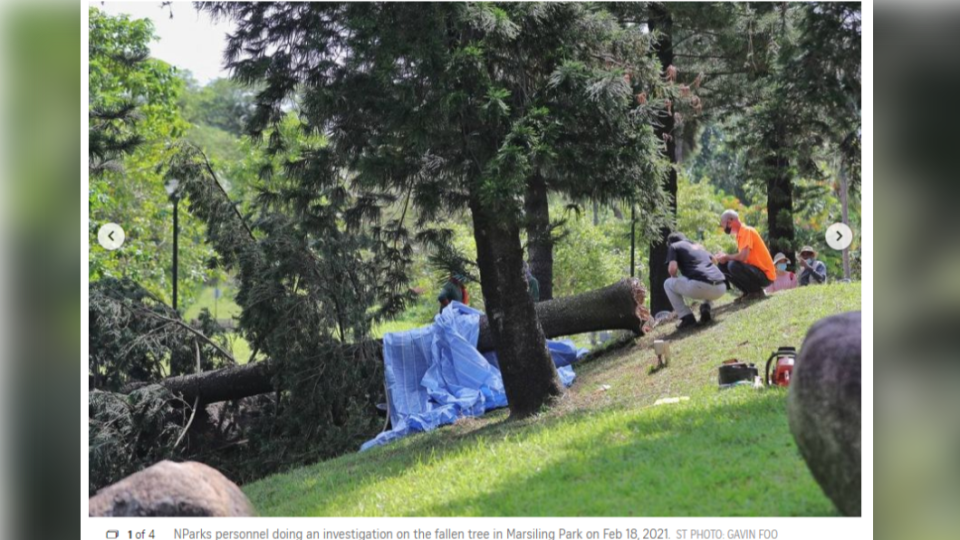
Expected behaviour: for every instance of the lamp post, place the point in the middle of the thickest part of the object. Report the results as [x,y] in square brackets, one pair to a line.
[171,187]
[633,241]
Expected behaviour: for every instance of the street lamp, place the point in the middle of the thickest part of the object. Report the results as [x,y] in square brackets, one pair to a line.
[171,186]
[633,241]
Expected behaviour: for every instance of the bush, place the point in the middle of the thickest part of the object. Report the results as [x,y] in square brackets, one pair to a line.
[585,258]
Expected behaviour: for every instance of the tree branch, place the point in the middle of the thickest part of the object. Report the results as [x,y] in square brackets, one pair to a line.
[196,401]
[193,331]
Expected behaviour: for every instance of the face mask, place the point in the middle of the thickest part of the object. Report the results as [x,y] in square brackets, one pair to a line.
[727,229]
[809,260]
[782,267]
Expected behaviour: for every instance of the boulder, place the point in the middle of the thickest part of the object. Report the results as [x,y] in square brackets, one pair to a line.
[172,489]
[823,406]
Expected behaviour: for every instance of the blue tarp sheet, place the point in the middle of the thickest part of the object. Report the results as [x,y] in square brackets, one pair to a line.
[435,374]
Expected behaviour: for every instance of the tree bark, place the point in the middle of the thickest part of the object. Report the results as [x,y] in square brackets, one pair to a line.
[617,307]
[233,382]
[539,241]
[780,231]
[662,21]
[529,376]
[845,214]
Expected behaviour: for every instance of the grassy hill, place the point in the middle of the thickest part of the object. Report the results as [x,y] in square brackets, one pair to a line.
[606,449]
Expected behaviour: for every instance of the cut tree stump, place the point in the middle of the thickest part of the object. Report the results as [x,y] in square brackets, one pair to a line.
[617,307]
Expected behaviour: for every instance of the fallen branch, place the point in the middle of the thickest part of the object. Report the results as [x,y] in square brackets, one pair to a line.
[196,402]
[193,331]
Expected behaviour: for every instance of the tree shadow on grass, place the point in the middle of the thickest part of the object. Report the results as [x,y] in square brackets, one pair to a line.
[733,307]
[310,490]
[734,459]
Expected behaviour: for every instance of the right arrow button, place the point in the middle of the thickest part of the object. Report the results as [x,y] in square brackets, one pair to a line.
[839,236]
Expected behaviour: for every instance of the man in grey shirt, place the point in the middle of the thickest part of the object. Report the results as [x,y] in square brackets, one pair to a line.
[693,275]
[811,269]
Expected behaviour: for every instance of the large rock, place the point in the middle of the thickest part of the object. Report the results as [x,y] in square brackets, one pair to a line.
[824,407]
[172,489]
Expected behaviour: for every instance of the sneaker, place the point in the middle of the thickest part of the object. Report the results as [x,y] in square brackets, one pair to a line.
[705,316]
[687,321]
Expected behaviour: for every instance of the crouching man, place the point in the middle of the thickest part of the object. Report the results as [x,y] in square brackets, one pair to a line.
[698,278]
[751,268]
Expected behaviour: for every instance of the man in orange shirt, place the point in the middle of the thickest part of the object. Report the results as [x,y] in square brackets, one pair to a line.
[751,269]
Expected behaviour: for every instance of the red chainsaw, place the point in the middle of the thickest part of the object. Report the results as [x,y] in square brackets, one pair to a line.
[785,358]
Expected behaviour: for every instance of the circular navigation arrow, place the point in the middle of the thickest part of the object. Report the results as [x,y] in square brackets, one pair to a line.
[110,236]
[839,236]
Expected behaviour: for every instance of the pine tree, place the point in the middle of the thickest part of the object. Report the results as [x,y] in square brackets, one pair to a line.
[459,106]
[705,63]
[112,128]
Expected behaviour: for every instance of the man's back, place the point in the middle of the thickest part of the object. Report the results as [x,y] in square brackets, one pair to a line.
[694,262]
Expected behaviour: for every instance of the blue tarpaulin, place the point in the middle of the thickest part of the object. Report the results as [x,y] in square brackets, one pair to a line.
[435,374]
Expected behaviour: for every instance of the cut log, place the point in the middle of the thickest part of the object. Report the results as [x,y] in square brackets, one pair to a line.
[617,307]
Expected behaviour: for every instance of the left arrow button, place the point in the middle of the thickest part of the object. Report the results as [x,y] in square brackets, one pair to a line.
[110,236]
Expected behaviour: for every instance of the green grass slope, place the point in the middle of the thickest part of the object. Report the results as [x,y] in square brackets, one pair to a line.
[606,449]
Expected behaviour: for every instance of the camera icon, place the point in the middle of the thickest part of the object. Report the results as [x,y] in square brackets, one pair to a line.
[113,534]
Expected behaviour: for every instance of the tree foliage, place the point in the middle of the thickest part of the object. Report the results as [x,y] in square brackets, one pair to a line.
[221,103]
[136,337]
[309,284]
[134,118]
[458,105]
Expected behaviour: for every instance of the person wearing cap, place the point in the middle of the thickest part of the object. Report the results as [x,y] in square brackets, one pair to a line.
[692,275]
[812,270]
[453,289]
[751,268]
[785,280]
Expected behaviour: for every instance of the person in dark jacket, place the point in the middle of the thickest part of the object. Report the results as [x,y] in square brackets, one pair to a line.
[811,269]
[692,275]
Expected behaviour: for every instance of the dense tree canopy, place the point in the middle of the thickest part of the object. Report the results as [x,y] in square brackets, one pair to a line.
[459,105]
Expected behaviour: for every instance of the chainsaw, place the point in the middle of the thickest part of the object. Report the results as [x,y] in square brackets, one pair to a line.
[783,369]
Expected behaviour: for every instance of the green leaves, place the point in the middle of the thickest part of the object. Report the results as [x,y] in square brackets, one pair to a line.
[134,116]
[491,20]
[496,106]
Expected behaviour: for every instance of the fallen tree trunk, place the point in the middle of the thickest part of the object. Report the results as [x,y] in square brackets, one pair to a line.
[617,307]
[233,382]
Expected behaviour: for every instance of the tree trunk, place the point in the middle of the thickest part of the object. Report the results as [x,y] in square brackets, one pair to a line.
[234,382]
[529,376]
[617,307]
[539,242]
[845,214]
[662,21]
[780,231]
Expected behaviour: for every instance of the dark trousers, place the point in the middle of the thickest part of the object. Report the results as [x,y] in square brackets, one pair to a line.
[746,277]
